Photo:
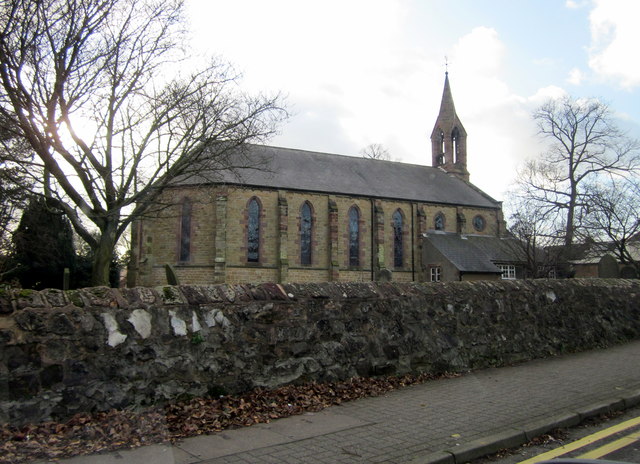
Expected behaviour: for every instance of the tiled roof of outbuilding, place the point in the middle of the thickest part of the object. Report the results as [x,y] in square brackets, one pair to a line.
[476,253]
[302,170]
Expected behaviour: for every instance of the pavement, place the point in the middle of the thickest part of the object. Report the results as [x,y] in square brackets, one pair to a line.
[449,421]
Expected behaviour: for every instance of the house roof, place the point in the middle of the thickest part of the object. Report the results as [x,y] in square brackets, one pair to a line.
[505,250]
[286,168]
[592,252]
[476,253]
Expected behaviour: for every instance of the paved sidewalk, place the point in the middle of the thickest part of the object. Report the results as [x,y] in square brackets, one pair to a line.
[445,421]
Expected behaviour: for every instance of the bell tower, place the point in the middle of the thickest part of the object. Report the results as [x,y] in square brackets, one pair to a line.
[449,139]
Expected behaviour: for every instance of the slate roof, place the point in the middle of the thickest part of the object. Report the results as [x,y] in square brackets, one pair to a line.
[293,169]
[475,253]
[505,250]
[592,252]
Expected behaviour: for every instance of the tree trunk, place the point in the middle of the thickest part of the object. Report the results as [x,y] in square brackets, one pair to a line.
[569,232]
[103,255]
[568,236]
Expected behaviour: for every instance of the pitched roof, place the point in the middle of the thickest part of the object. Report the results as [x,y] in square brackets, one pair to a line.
[592,252]
[475,253]
[286,168]
[506,249]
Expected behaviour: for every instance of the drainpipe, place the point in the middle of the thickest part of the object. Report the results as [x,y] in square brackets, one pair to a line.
[140,244]
[413,262]
[373,255]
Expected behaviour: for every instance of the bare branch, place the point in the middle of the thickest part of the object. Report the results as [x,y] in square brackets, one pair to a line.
[585,145]
[375,151]
[91,86]
[614,217]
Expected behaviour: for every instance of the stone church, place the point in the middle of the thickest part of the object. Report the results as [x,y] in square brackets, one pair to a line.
[311,217]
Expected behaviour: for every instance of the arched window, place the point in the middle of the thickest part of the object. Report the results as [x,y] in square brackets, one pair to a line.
[305,233]
[253,231]
[185,231]
[354,237]
[397,238]
[455,140]
[438,222]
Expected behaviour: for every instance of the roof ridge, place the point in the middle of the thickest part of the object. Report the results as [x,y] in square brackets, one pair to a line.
[323,153]
[312,171]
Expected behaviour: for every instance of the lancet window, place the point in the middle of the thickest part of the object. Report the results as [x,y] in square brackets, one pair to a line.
[397,239]
[305,233]
[253,231]
[185,231]
[354,236]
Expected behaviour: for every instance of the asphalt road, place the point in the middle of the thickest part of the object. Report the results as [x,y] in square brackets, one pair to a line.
[615,438]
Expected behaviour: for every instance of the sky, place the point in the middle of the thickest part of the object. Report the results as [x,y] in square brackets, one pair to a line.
[358,72]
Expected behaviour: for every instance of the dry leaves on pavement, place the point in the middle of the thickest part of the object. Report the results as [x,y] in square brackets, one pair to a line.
[122,429]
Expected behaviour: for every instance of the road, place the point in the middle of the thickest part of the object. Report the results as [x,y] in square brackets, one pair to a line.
[616,438]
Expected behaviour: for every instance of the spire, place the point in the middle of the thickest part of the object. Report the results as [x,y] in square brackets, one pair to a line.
[447,107]
[449,138]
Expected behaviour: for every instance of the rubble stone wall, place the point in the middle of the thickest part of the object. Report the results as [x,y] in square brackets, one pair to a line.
[100,348]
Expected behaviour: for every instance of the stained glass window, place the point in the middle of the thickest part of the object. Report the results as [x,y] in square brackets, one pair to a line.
[354,237]
[397,238]
[185,231]
[253,231]
[305,234]
[438,222]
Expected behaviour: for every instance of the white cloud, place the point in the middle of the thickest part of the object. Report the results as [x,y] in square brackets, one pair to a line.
[545,93]
[498,122]
[575,76]
[480,52]
[615,36]
[298,45]
[478,61]
[354,75]
[574,5]
[546,61]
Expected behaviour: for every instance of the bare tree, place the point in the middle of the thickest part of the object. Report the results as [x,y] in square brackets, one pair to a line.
[15,181]
[93,88]
[375,151]
[584,144]
[537,237]
[614,217]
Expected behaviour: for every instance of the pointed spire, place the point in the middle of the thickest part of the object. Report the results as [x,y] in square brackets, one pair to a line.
[447,108]
[449,138]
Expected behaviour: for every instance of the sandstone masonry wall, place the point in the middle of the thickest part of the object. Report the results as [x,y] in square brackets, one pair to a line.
[99,348]
[218,236]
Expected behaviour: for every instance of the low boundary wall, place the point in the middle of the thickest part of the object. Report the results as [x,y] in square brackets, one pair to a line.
[100,348]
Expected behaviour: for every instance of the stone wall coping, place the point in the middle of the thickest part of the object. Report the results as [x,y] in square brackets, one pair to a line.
[13,299]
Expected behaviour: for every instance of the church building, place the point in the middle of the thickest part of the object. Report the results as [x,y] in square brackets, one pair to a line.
[313,217]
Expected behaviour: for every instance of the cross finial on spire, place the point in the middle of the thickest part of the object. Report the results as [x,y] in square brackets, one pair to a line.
[446,65]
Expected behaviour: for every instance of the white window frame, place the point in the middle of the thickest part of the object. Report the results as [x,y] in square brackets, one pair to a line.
[551,274]
[435,273]
[508,271]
